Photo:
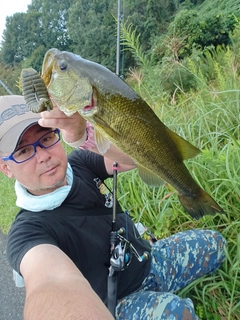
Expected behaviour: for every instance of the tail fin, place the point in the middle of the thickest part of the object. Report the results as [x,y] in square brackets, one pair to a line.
[202,204]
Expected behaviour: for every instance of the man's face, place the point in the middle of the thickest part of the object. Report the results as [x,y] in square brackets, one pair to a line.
[43,173]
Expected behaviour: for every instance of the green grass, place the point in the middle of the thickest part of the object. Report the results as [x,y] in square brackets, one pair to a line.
[216,170]
[7,203]
[209,118]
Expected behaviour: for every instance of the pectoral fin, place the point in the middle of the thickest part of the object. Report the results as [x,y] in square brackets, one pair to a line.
[101,142]
[186,149]
[149,178]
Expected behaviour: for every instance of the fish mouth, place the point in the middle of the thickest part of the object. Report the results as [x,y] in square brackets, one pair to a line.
[47,66]
[72,101]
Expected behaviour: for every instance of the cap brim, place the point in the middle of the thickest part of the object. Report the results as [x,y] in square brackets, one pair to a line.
[11,138]
[15,118]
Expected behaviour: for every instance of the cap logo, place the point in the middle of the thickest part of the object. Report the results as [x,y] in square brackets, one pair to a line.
[14,110]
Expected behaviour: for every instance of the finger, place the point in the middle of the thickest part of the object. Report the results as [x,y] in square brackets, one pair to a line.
[49,123]
[54,113]
[60,121]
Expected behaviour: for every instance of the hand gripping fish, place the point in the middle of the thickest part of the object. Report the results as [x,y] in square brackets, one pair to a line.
[123,118]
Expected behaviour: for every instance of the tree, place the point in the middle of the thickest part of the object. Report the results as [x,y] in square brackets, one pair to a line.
[89,28]
[54,24]
[10,77]
[22,36]
[207,24]
[92,29]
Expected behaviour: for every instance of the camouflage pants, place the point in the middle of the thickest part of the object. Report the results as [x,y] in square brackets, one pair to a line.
[176,261]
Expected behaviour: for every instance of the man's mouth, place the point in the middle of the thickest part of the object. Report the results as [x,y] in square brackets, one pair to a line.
[50,171]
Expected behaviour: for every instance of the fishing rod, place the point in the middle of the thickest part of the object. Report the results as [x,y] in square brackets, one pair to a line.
[114,254]
[121,251]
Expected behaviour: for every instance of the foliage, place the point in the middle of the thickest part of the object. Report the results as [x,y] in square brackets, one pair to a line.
[43,26]
[130,41]
[209,23]
[54,24]
[166,29]
[36,59]
[158,12]
[21,37]
[209,117]
[9,76]
[193,87]
[92,28]
[207,65]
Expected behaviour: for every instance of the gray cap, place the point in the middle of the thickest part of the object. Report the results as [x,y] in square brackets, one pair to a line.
[15,118]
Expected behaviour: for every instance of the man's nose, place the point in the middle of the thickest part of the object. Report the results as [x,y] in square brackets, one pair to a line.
[42,154]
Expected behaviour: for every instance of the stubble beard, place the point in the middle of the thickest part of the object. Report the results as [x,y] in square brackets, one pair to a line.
[45,190]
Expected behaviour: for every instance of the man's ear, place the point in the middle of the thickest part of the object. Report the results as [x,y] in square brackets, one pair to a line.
[5,169]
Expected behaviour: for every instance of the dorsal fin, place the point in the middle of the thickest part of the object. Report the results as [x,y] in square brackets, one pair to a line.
[186,149]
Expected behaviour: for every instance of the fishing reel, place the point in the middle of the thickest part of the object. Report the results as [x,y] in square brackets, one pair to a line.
[121,255]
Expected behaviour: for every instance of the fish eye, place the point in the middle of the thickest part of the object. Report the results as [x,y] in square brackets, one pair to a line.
[63,65]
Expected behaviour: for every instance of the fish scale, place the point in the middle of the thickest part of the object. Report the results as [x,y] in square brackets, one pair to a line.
[122,117]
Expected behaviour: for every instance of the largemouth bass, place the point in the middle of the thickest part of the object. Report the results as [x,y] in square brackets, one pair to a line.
[122,117]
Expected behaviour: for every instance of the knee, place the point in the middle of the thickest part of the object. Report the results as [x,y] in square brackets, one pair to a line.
[155,306]
[218,243]
[179,308]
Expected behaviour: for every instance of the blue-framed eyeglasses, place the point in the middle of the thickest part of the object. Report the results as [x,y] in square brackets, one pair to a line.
[27,152]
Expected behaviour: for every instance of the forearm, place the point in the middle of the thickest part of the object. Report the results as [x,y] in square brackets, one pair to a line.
[64,300]
[80,134]
[73,128]
[112,153]
[75,132]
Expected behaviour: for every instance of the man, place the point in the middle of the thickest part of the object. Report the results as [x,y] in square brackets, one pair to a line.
[59,241]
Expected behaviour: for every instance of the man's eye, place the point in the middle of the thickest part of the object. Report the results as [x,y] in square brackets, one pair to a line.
[22,152]
[45,139]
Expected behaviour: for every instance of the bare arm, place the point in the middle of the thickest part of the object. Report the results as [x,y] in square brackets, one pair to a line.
[56,289]
[73,129]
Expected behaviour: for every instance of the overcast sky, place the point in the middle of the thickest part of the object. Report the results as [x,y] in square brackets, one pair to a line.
[9,8]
